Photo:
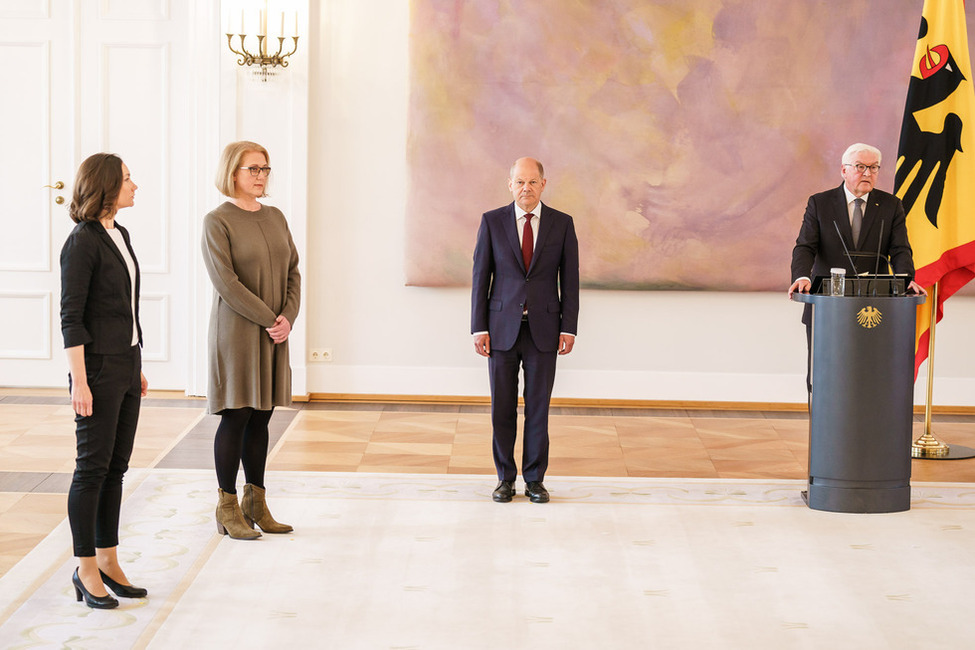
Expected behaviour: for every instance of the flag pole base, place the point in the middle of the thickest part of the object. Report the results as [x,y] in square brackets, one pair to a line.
[930,448]
[927,446]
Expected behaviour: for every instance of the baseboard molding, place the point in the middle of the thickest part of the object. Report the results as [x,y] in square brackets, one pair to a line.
[483,400]
[566,402]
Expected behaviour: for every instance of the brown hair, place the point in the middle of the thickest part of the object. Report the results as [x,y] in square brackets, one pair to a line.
[96,188]
[230,159]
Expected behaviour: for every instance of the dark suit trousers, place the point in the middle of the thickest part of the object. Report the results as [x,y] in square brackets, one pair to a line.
[809,357]
[104,442]
[539,370]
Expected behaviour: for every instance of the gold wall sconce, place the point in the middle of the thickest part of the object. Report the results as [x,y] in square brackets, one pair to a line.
[265,60]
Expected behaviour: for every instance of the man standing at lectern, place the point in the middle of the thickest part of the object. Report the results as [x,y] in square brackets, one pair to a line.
[850,221]
[524,310]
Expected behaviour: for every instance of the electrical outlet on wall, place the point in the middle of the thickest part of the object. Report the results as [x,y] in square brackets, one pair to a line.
[320,354]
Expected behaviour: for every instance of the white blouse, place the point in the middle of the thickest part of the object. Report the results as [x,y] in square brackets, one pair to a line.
[116,236]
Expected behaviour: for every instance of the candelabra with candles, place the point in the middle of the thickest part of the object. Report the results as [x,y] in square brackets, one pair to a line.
[266,62]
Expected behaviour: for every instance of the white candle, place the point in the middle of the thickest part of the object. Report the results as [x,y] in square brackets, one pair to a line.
[296,24]
[242,22]
[281,31]
[263,25]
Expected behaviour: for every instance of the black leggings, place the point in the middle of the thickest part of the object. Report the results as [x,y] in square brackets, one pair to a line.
[241,439]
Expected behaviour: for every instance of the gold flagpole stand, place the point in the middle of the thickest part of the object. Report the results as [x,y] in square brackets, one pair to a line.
[927,446]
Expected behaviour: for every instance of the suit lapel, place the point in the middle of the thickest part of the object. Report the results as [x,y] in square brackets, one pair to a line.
[135,260]
[871,214]
[110,243]
[842,219]
[107,240]
[511,233]
[510,226]
[138,278]
[544,228]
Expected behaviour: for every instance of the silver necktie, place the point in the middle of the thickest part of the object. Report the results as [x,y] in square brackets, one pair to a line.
[857,220]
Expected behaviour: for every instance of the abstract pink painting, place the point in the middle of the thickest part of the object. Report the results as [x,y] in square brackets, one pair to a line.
[684,136]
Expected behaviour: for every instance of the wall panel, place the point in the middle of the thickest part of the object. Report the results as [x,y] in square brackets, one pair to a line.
[154,314]
[134,109]
[25,329]
[25,245]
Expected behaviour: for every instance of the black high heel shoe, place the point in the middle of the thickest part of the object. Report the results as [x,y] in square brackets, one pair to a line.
[123,591]
[95,602]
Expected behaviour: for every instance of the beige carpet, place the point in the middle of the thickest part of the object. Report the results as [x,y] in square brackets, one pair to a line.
[420,561]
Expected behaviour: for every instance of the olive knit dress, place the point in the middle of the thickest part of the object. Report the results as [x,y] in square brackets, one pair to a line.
[253,265]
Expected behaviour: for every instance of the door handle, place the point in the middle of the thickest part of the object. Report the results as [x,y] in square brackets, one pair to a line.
[58,185]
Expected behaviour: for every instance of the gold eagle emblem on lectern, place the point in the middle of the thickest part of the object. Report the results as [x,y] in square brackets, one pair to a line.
[869,317]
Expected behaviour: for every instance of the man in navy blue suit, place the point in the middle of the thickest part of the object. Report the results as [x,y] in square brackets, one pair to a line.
[524,312]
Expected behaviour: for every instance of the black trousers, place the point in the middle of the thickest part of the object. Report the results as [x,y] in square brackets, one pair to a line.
[539,367]
[104,446]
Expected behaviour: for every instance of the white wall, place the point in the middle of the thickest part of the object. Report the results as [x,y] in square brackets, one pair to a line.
[234,104]
[390,338]
[335,124]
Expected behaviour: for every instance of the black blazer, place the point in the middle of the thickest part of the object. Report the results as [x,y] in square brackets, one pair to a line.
[819,247]
[96,309]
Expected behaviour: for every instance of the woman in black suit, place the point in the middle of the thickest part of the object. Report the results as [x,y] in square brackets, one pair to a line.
[103,339]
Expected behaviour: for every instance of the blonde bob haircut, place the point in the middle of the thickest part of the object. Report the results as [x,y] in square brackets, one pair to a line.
[230,159]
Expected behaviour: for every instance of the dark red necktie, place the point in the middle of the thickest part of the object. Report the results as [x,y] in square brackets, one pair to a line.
[527,242]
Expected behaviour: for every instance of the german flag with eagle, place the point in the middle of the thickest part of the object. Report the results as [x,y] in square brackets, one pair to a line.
[935,177]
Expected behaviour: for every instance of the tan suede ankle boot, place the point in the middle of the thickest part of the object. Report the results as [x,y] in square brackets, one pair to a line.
[230,519]
[255,511]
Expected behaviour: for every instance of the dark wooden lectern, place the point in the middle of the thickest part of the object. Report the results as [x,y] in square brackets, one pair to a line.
[862,402]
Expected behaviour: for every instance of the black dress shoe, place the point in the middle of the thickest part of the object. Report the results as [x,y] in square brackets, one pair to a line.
[504,491]
[535,491]
[95,602]
[123,591]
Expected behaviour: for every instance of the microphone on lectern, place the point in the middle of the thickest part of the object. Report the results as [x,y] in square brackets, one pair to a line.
[847,251]
[876,266]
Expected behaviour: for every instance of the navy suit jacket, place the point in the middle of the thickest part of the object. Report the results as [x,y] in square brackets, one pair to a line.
[96,291]
[819,248]
[502,286]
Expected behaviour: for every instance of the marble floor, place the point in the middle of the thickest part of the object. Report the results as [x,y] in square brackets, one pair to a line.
[668,528]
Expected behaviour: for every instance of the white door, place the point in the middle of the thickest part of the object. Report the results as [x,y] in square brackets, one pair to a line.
[37,113]
[112,77]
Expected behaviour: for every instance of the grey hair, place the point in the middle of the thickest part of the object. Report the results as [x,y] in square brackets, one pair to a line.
[511,170]
[854,149]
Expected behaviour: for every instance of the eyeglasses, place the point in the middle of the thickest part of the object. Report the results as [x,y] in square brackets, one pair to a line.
[860,167]
[256,171]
